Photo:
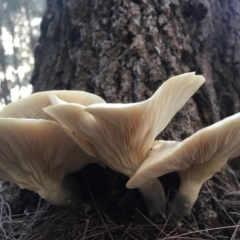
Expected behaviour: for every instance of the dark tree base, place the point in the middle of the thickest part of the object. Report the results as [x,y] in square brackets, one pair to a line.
[110,211]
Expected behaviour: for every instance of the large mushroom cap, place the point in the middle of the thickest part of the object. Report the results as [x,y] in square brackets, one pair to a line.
[37,155]
[209,148]
[31,106]
[122,134]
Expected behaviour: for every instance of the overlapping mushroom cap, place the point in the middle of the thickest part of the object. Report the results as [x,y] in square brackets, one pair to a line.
[73,160]
[37,155]
[123,134]
[196,159]
[31,106]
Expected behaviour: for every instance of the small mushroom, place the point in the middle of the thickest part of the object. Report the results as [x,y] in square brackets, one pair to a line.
[31,106]
[196,159]
[38,155]
[123,134]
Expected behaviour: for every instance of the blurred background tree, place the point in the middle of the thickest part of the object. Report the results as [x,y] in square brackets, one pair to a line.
[123,50]
[19,31]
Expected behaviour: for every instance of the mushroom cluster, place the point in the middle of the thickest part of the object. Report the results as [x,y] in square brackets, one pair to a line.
[196,159]
[121,136]
[37,153]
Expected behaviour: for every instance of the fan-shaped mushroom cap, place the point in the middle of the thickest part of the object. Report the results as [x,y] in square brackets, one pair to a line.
[37,155]
[122,134]
[196,159]
[160,151]
[31,106]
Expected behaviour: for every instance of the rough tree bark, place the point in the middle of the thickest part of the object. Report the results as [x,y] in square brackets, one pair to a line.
[124,50]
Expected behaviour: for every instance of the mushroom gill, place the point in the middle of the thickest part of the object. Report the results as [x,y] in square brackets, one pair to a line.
[123,134]
[37,155]
[196,159]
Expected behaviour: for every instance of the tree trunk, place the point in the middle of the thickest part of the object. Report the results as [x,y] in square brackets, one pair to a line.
[15,55]
[123,50]
[5,89]
[25,4]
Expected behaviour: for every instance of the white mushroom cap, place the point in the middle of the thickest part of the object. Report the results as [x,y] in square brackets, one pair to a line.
[155,165]
[219,140]
[31,106]
[122,134]
[37,155]
[196,159]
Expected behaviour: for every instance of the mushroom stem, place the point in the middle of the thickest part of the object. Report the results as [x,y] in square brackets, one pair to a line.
[73,186]
[154,197]
[192,180]
[182,205]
